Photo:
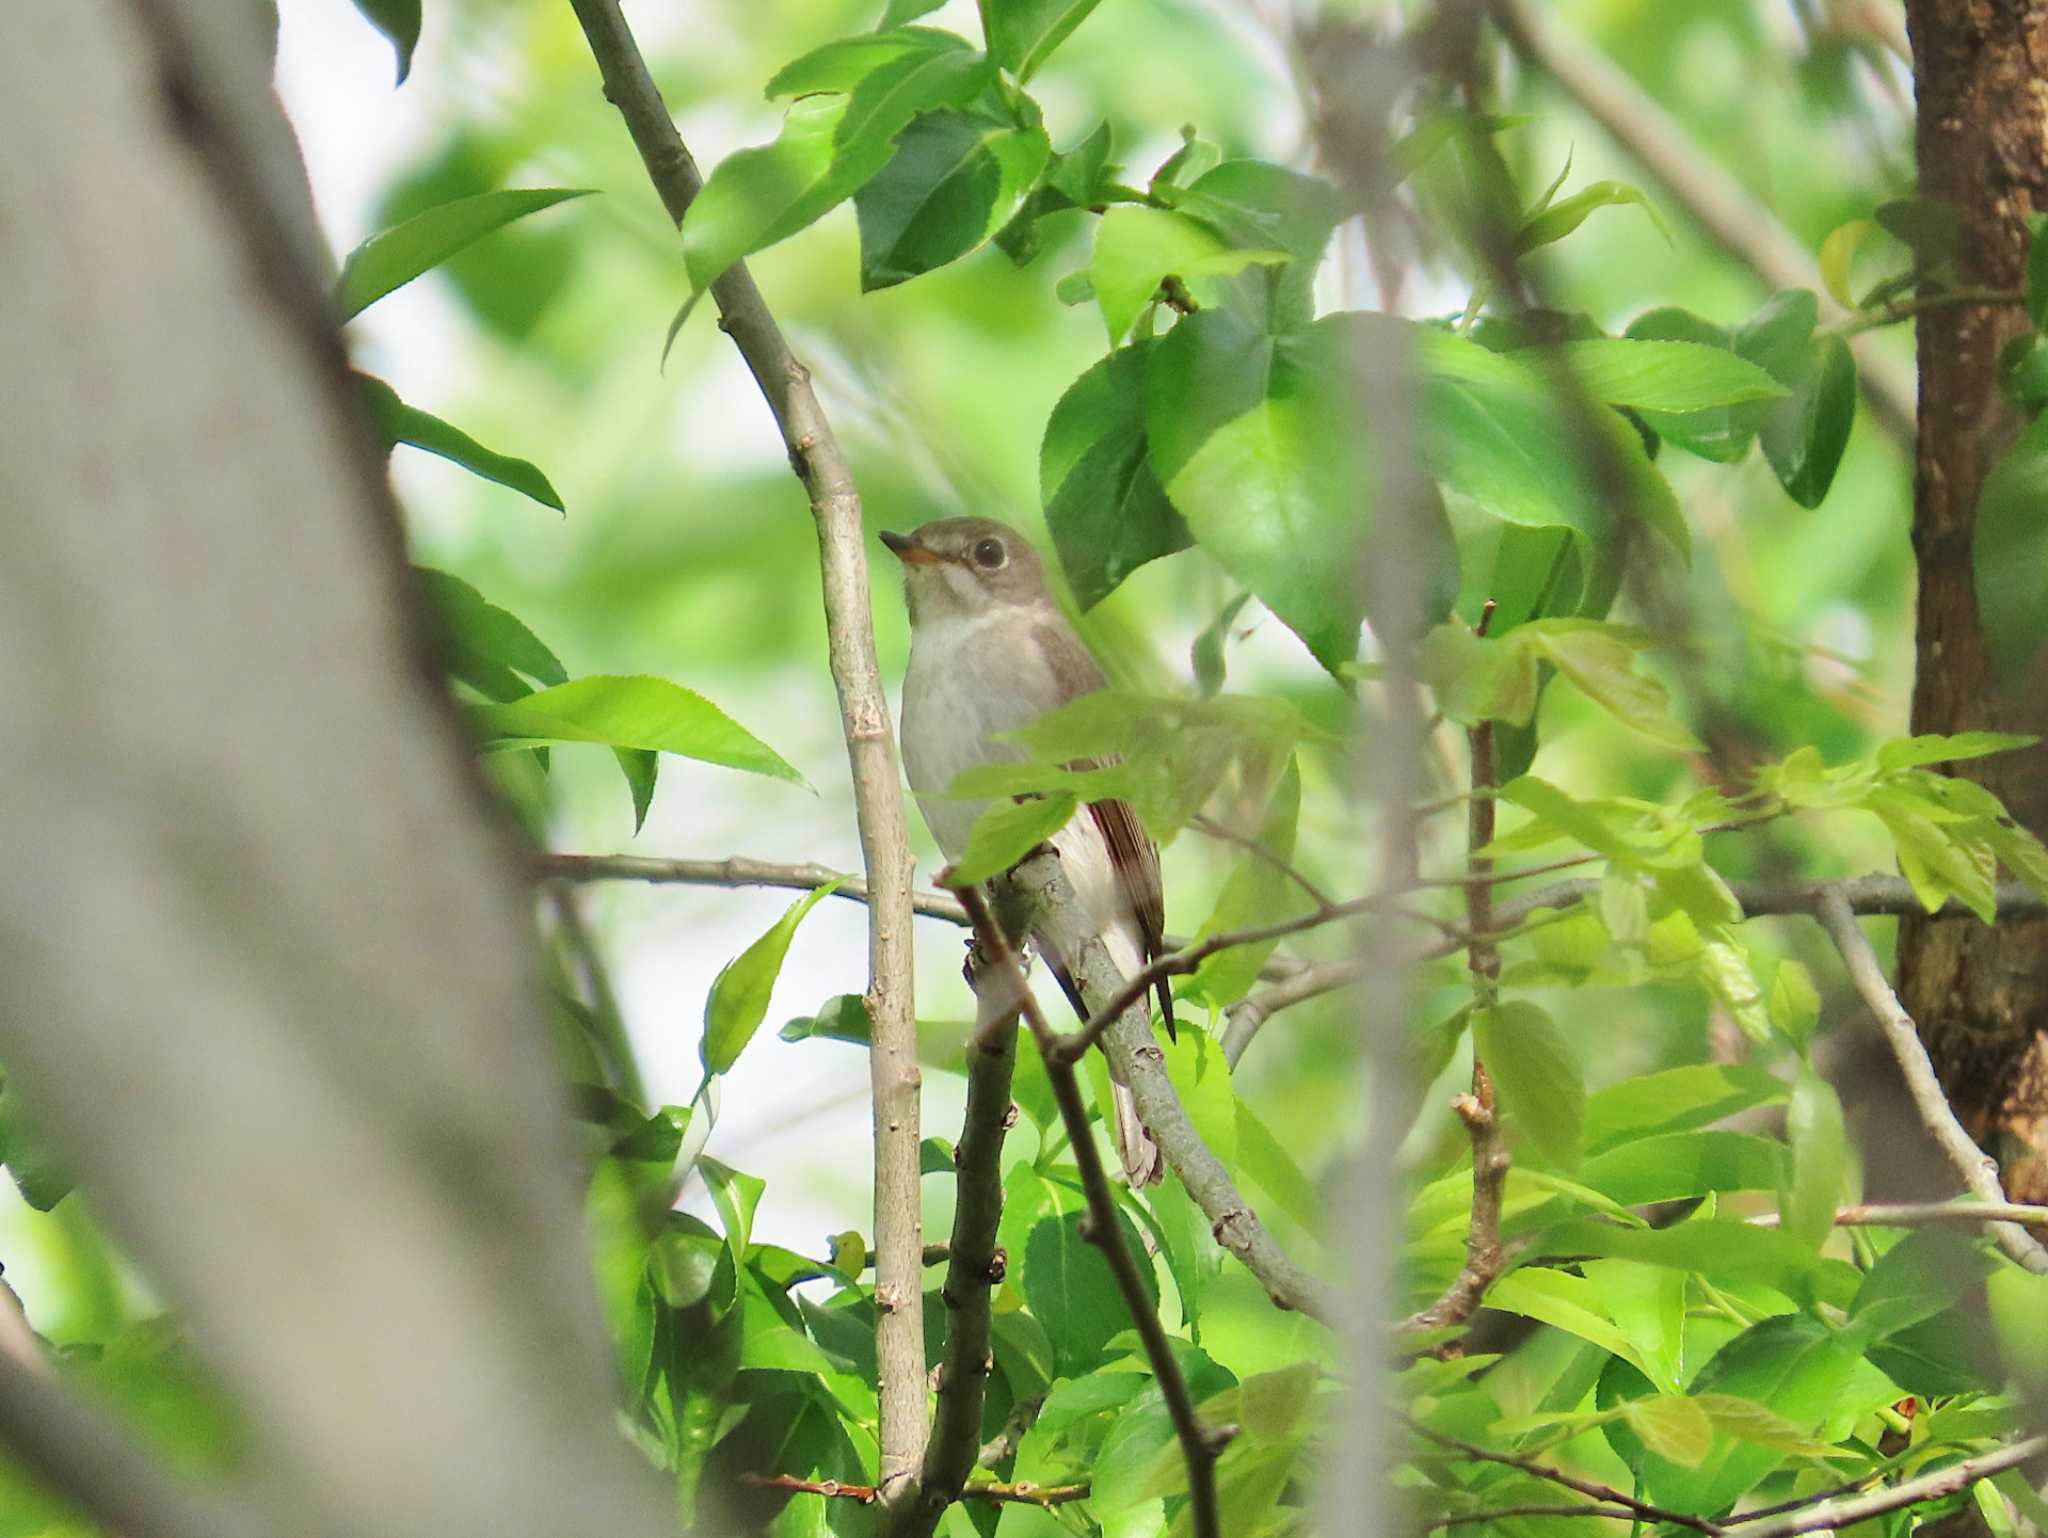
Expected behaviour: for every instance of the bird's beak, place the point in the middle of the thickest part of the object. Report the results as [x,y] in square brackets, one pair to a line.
[905,548]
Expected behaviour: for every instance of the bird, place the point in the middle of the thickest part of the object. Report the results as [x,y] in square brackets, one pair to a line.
[991,652]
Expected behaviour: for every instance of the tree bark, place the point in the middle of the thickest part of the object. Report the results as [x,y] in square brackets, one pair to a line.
[1980,994]
[266,954]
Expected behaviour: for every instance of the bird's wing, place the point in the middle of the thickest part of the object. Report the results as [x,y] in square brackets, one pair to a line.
[1133,855]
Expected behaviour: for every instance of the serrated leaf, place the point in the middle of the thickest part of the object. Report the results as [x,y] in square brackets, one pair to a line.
[955,179]
[1137,247]
[488,647]
[399,21]
[1676,376]
[631,711]
[1537,1075]
[1917,752]
[1022,34]
[1672,1427]
[1558,220]
[396,422]
[396,256]
[738,1001]
[1104,507]
[1008,831]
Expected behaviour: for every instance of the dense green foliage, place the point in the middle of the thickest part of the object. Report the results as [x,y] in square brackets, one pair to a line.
[1663,566]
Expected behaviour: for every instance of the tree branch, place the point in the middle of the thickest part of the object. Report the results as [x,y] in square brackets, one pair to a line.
[974,1263]
[1134,1053]
[1200,1446]
[1918,1214]
[1834,1514]
[1718,203]
[1249,1014]
[1022,1493]
[1978,1169]
[815,456]
[733,871]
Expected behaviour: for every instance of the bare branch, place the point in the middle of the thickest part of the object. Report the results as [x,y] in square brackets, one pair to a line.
[1252,846]
[815,456]
[733,871]
[1565,1509]
[1022,1493]
[975,1265]
[1834,1514]
[1919,1214]
[1200,1446]
[1484,1254]
[1978,1169]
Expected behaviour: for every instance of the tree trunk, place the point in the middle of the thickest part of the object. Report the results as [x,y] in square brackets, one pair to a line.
[266,955]
[1980,994]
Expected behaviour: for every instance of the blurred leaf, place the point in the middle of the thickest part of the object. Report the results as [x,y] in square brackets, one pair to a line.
[1722,433]
[1804,438]
[1672,1427]
[1795,1002]
[1838,256]
[38,1175]
[396,422]
[1537,1074]
[903,12]
[841,1018]
[1668,1165]
[1022,34]
[1008,831]
[628,711]
[396,256]
[1137,248]
[2009,553]
[1257,891]
[399,21]
[1104,506]
[738,1002]
[1559,219]
[956,178]
[1565,1302]
[487,646]
[1254,203]
[1599,659]
[1727,1252]
[1931,228]
[2037,271]
[1674,376]
[1820,1160]
[1262,1160]
[1206,654]
[854,96]
[1675,1100]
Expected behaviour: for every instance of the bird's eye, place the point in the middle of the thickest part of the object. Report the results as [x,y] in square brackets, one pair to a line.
[989,553]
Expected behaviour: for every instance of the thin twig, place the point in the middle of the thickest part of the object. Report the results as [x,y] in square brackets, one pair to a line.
[1133,1052]
[1200,1445]
[1592,1488]
[1842,1514]
[1022,1493]
[1252,846]
[1946,299]
[1252,1011]
[1917,1214]
[734,871]
[1978,1169]
[815,456]
[975,1265]
[1565,1509]
[1023,1415]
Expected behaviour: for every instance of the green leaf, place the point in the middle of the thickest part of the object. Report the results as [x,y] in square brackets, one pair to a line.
[1600,660]
[1268,1165]
[903,12]
[1667,1166]
[1022,34]
[1726,972]
[487,647]
[956,178]
[1495,431]
[1537,1074]
[1249,439]
[399,21]
[1566,1302]
[1193,1257]
[2009,553]
[1917,752]
[854,97]
[1104,507]
[1672,1427]
[738,1001]
[1722,433]
[1254,203]
[38,1173]
[1804,438]
[1136,248]
[844,1017]
[396,256]
[2037,272]
[1008,831]
[396,422]
[1675,1100]
[1838,256]
[1559,219]
[1795,1002]
[1725,1251]
[1068,1284]
[631,711]
[1820,1160]
[1665,376]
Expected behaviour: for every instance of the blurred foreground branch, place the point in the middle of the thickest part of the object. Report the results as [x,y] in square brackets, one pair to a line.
[815,455]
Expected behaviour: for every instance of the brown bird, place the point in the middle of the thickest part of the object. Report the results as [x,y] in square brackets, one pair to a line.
[991,652]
